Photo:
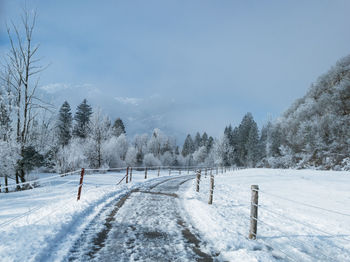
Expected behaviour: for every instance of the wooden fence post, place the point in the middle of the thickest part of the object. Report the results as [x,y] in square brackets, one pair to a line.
[211,190]
[205,173]
[169,171]
[179,171]
[188,171]
[80,183]
[127,175]
[158,171]
[198,179]
[130,174]
[6,185]
[254,212]
[146,173]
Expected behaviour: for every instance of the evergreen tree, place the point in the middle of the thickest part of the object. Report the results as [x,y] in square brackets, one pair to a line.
[82,119]
[64,124]
[252,145]
[263,141]
[210,143]
[204,140]
[197,141]
[188,147]
[118,127]
[244,138]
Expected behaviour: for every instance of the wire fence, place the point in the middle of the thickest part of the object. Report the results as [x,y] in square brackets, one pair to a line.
[281,239]
[31,191]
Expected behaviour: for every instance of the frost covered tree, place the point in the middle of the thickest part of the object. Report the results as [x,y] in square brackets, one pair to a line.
[21,75]
[71,157]
[151,161]
[118,127]
[64,124]
[188,147]
[315,130]
[140,143]
[252,146]
[130,157]
[99,131]
[197,141]
[82,119]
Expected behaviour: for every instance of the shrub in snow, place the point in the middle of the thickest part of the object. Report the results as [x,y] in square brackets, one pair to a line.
[71,157]
[130,158]
[167,159]
[112,152]
[9,155]
[200,155]
[150,160]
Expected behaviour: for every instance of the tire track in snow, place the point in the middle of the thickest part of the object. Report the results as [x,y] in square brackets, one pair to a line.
[128,234]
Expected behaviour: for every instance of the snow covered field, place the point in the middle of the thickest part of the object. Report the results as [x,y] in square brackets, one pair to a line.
[33,222]
[304,215]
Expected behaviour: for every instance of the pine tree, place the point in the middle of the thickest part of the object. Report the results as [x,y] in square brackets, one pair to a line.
[210,143]
[244,137]
[252,145]
[197,141]
[118,127]
[188,147]
[64,124]
[204,140]
[82,119]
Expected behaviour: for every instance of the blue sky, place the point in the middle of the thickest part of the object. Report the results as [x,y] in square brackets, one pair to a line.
[184,66]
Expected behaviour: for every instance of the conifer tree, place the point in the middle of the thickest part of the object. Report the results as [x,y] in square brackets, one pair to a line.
[204,140]
[197,141]
[188,147]
[82,119]
[252,145]
[64,124]
[118,127]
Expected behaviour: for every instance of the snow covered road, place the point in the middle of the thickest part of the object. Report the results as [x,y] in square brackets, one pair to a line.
[144,225]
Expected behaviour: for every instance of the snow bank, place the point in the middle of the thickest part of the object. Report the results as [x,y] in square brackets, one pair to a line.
[304,215]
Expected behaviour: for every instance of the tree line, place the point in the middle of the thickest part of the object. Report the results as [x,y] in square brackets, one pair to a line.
[313,132]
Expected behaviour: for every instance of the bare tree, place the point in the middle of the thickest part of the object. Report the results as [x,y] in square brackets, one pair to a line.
[23,69]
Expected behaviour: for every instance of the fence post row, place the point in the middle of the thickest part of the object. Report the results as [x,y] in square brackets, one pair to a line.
[81,183]
[211,190]
[254,212]
[130,174]
[198,179]
[146,173]
[127,175]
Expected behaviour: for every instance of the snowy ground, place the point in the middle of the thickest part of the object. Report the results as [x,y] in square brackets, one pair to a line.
[304,215]
[32,222]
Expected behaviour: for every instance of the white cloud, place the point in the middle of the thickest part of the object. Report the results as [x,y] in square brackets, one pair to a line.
[54,87]
[128,100]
